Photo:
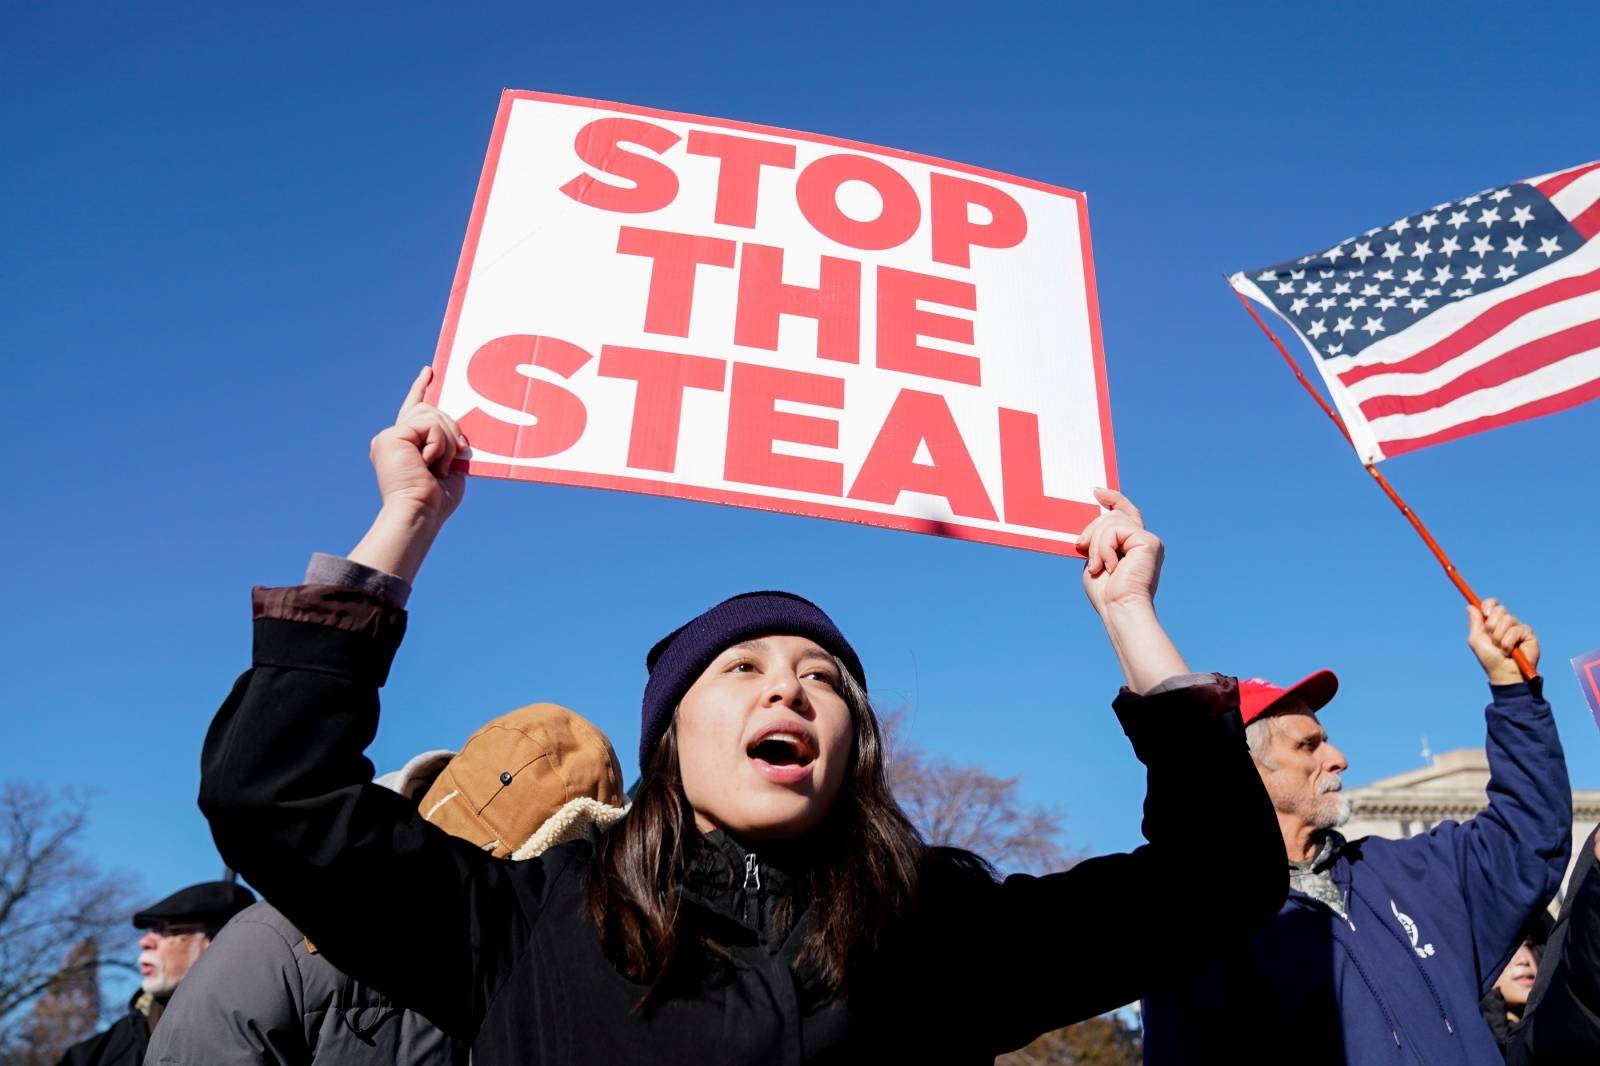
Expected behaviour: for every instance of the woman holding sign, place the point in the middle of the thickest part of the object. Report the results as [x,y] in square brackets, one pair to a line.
[765,899]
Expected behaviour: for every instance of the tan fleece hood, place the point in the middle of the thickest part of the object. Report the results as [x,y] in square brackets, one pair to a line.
[518,772]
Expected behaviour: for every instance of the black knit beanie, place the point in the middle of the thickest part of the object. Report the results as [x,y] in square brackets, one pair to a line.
[679,657]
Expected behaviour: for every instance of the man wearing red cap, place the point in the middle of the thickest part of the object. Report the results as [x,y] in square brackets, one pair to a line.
[1384,948]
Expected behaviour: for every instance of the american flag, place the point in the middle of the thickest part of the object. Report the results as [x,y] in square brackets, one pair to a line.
[1469,315]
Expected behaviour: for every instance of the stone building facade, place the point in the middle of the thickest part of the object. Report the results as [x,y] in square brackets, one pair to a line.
[1453,786]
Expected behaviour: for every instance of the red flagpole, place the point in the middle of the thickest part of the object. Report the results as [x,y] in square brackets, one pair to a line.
[1450,570]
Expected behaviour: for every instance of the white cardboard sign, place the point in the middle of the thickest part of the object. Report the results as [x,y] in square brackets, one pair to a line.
[718,311]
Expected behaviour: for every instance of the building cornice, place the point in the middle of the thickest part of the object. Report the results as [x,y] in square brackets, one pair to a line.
[1585,808]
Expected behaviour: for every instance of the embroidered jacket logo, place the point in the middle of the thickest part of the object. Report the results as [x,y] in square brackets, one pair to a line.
[1410,927]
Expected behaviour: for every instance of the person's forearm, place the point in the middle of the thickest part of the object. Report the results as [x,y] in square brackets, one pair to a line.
[398,541]
[1145,652]
[286,788]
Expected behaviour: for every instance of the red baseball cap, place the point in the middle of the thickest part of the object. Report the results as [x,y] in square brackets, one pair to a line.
[1258,697]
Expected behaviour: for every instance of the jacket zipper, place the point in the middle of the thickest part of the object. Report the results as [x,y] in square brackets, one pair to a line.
[1361,971]
[1394,1027]
[752,888]
[1438,1001]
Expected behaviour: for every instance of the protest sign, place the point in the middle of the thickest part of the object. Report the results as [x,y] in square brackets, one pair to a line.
[1587,667]
[712,310]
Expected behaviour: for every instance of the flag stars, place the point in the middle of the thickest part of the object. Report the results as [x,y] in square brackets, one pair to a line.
[1425,263]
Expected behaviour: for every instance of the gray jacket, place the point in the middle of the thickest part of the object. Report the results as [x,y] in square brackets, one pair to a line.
[261,994]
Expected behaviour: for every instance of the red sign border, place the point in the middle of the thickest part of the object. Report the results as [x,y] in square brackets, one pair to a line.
[1591,673]
[469,248]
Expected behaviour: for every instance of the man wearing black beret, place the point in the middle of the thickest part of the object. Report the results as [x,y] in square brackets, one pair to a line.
[176,931]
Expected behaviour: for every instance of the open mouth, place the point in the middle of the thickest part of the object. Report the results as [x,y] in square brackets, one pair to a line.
[783,748]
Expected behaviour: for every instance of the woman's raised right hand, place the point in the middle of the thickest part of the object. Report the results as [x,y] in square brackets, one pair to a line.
[412,460]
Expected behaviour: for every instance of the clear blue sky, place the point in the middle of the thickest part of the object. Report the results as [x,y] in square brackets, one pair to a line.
[230,232]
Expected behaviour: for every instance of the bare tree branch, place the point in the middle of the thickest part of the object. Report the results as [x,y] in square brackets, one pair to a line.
[56,908]
[1103,1041]
[967,807]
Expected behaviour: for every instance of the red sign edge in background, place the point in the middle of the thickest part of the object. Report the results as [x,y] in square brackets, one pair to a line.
[551,475]
[1587,667]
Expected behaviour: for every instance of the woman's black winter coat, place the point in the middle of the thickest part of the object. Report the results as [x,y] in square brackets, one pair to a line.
[503,954]
[1561,1026]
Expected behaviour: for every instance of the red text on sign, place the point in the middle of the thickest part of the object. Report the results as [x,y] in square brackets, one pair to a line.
[647,183]
[514,372]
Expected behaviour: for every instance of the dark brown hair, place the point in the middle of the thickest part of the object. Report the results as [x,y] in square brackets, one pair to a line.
[864,862]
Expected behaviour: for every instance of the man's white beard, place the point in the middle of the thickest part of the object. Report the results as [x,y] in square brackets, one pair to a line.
[1334,814]
[157,984]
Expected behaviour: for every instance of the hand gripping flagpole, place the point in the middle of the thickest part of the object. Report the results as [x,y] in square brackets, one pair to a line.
[1450,570]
